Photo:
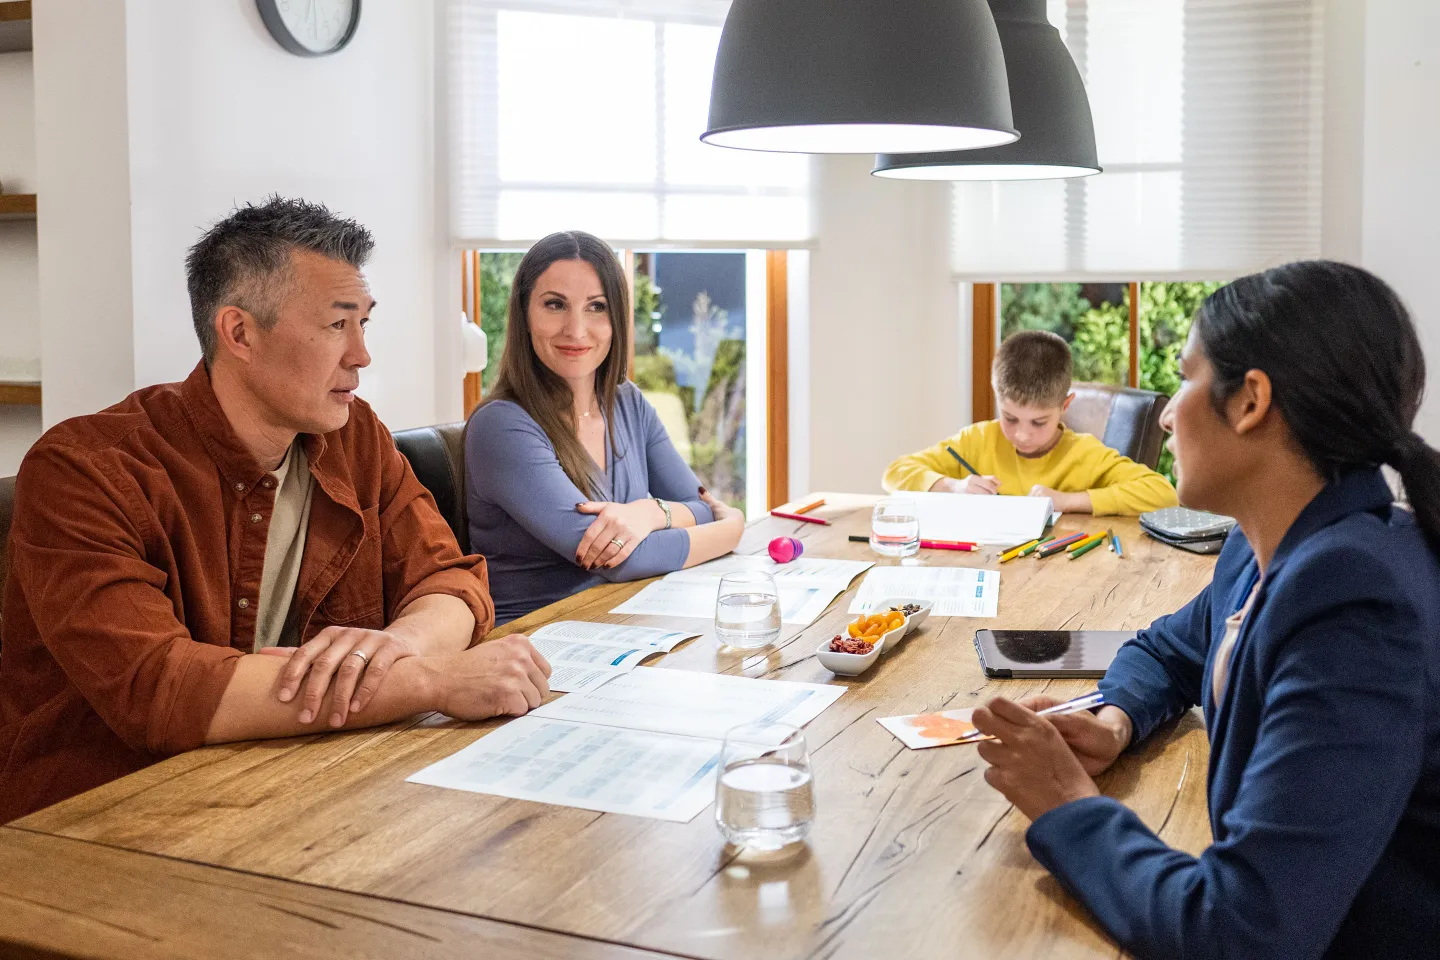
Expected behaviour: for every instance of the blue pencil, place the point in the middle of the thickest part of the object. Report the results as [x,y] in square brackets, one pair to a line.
[961,460]
[1115,539]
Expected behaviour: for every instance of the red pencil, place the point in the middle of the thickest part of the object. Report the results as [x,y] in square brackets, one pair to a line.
[948,545]
[796,516]
[1055,546]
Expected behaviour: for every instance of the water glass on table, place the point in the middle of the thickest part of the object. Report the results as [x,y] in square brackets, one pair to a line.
[747,610]
[764,795]
[894,528]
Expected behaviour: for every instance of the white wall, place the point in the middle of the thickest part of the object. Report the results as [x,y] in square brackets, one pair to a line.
[885,352]
[19,281]
[1401,221]
[201,110]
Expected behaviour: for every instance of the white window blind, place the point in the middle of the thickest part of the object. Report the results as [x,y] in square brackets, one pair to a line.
[1208,123]
[586,114]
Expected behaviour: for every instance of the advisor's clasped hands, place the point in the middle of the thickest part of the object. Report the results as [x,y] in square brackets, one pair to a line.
[1040,763]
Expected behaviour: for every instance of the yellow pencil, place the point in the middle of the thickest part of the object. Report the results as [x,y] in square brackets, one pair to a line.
[1082,544]
[1014,552]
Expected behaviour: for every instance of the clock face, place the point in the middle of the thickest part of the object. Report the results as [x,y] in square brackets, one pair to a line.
[311,27]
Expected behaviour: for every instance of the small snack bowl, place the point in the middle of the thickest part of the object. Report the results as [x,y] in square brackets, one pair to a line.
[846,664]
[913,621]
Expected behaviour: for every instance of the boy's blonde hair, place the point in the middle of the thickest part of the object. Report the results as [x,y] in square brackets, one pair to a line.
[1032,368]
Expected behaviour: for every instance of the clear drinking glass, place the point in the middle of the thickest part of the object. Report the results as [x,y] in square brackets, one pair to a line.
[764,796]
[747,610]
[894,529]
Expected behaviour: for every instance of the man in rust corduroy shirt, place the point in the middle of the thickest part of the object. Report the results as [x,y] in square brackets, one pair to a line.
[241,555]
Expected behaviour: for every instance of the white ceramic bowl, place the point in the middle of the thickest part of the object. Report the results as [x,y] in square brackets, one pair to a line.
[915,620]
[852,664]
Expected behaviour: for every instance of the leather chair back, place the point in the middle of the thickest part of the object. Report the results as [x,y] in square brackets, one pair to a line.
[1125,419]
[437,455]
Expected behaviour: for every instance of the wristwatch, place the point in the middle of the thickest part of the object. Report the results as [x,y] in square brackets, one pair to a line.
[669,520]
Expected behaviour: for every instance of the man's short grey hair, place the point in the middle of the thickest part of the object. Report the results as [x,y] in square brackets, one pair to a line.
[244,260]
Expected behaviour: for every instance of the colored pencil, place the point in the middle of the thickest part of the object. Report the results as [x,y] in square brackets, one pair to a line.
[1111,535]
[856,538]
[809,506]
[799,516]
[1036,546]
[1088,539]
[1088,701]
[1119,550]
[948,545]
[961,460]
[1081,551]
[1055,546]
[1014,552]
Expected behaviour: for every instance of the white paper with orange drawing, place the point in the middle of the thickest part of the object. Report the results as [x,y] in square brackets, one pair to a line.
[922,730]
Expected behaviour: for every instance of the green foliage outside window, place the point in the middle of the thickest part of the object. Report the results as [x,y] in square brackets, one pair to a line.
[497,273]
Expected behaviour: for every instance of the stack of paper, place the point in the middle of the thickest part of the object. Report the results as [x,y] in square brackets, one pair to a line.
[955,591]
[647,743]
[585,655]
[807,586]
[974,518]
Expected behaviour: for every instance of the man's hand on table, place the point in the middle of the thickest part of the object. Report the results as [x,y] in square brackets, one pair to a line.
[504,677]
[331,656]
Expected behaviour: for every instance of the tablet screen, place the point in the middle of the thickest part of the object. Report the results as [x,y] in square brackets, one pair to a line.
[1048,653]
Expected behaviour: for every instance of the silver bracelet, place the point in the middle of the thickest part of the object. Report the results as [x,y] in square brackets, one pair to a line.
[669,520]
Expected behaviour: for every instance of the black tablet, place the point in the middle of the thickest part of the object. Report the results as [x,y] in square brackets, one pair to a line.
[1048,653]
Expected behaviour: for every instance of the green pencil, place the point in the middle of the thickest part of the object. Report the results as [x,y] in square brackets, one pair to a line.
[1035,546]
[1086,549]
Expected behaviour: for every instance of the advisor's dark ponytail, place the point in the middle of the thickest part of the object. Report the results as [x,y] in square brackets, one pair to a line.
[1345,367]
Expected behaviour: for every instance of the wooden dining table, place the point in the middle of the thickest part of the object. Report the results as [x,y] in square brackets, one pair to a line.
[317,846]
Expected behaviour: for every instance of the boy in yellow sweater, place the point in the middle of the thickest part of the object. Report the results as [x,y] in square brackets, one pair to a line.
[1029,450]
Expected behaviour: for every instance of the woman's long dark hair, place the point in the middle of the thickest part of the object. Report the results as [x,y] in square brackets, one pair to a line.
[1345,367]
[526,381]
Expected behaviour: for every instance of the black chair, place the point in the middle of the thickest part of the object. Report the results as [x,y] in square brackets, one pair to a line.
[1125,419]
[437,455]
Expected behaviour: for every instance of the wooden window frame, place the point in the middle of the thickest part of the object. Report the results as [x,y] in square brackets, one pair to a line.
[985,302]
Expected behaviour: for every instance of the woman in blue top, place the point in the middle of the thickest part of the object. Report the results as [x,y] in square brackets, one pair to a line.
[570,476]
[1315,652]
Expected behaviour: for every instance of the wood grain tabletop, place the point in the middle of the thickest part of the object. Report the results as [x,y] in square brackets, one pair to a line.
[911,854]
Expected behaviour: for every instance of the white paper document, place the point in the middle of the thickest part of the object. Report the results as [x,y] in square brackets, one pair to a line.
[799,602]
[581,765]
[647,743]
[692,704]
[584,656]
[806,571]
[975,518]
[955,591]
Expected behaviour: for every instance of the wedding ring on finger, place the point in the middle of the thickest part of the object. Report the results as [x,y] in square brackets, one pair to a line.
[619,544]
[361,654]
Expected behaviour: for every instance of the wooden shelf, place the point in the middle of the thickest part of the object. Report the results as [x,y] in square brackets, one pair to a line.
[19,394]
[17,206]
[15,26]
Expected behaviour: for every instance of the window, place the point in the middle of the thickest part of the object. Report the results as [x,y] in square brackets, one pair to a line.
[1208,124]
[587,114]
[1094,318]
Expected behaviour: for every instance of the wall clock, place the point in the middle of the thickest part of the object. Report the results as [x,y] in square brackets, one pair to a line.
[310,28]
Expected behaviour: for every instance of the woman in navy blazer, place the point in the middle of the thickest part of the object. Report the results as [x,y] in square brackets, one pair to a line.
[1323,702]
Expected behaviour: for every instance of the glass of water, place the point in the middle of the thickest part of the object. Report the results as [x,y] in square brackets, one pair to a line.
[894,528]
[764,796]
[747,610]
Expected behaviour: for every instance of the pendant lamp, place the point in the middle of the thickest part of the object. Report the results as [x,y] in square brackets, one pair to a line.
[859,76]
[1052,112]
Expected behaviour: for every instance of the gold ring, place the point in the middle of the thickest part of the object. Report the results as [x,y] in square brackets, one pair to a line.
[619,544]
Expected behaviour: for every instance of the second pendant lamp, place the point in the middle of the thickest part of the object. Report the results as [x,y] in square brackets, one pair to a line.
[859,76]
[1051,110]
